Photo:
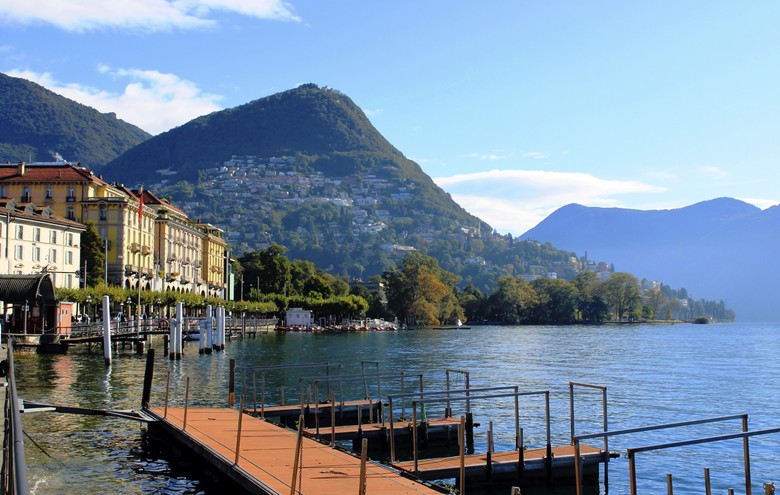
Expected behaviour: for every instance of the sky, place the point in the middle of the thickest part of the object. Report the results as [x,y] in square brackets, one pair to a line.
[514,107]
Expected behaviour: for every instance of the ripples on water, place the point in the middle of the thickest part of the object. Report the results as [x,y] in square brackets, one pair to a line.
[654,373]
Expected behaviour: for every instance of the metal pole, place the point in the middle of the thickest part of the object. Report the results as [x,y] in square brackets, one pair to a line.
[462,443]
[363,457]
[746,454]
[392,433]
[414,434]
[707,484]
[186,401]
[298,448]
[669,489]
[167,393]
[238,433]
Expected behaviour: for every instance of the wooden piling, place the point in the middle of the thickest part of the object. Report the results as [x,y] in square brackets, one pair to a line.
[148,375]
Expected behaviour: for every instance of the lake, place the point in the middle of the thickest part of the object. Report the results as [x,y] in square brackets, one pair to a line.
[654,374]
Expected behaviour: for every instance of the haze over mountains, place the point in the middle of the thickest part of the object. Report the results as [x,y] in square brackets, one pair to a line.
[346,199]
[717,249]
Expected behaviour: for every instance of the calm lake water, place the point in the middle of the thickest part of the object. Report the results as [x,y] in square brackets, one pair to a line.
[654,374]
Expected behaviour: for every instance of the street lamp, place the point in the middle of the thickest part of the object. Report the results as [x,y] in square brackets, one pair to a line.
[26,309]
[88,302]
[127,308]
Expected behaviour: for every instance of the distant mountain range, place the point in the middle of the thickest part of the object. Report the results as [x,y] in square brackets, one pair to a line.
[718,249]
[39,125]
[306,169]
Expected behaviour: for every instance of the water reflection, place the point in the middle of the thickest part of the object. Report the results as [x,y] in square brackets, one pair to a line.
[654,374]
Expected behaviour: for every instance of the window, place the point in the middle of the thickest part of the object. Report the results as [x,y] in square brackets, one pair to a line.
[49,194]
[26,194]
[52,255]
[69,281]
[71,213]
[36,253]
[20,232]
[69,239]
[37,234]
[18,252]
[103,212]
[71,194]
[69,257]
[52,237]
[4,191]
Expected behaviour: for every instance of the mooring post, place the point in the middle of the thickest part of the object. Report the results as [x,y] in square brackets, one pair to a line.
[180,328]
[107,330]
[232,384]
[209,329]
[148,374]
[707,484]
[669,489]
[202,338]
[172,338]
[186,403]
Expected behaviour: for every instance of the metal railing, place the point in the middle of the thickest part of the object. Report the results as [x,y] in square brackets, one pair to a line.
[14,469]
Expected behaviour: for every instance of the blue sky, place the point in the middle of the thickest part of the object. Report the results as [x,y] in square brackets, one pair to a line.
[515,107]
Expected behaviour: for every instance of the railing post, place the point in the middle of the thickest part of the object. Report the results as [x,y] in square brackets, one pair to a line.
[232,384]
[363,458]
[186,401]
[746,456]
[707,484]
[669,489]
[238,433]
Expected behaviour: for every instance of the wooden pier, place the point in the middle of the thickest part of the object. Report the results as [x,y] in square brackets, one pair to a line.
[267,454]
[532,464]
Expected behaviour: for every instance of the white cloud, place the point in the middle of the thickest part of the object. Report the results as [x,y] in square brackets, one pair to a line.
[516,200]
[151,100]
[536,155]
[488,156]
[760,202]
[145,15]
[713,173]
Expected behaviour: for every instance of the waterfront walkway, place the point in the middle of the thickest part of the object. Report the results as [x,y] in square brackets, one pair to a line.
[267,456]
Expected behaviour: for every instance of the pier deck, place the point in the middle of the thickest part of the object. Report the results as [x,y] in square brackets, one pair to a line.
[444,429]
[267,455]
[505,464]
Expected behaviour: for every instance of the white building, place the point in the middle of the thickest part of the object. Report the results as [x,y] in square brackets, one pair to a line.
[35,241]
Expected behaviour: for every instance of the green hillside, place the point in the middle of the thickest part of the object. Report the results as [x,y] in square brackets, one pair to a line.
[36,124]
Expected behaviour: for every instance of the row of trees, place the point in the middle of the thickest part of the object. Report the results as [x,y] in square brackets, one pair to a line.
[421,292]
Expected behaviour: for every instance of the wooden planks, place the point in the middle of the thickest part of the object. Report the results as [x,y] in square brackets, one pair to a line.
[267,454]
[476,465]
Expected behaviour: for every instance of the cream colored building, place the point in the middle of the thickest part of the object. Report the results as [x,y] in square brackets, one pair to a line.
[36,241]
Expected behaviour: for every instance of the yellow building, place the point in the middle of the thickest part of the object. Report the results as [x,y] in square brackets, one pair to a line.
[146,240]
[215,260]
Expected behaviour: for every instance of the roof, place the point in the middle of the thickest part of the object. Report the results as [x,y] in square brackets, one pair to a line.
[18,289]
[65,172]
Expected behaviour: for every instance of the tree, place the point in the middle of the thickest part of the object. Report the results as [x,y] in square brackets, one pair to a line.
[421,290]
[93,254]
[621,292]
[269,270]
[557,301]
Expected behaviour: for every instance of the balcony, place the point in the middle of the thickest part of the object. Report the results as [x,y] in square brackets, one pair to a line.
[70,199]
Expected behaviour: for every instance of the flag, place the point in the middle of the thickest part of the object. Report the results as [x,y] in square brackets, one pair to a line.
[140,202]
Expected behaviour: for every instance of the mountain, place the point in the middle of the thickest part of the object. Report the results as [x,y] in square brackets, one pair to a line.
[717,249]
[306,169]
[321,126]
[39,125]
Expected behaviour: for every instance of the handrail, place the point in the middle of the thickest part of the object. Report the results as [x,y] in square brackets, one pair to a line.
[14,464]
[631,453]
[641,429]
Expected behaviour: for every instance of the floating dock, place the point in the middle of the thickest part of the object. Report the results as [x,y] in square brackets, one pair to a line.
[509,465]
[267,455]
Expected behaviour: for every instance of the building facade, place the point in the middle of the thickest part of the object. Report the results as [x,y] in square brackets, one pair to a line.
[147,240]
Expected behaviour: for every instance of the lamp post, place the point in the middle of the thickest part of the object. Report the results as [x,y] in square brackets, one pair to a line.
[128,307]
[26,309]
[88,302]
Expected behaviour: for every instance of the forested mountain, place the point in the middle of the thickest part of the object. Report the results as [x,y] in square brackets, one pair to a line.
[39,125]
[305,168]
[718,249]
